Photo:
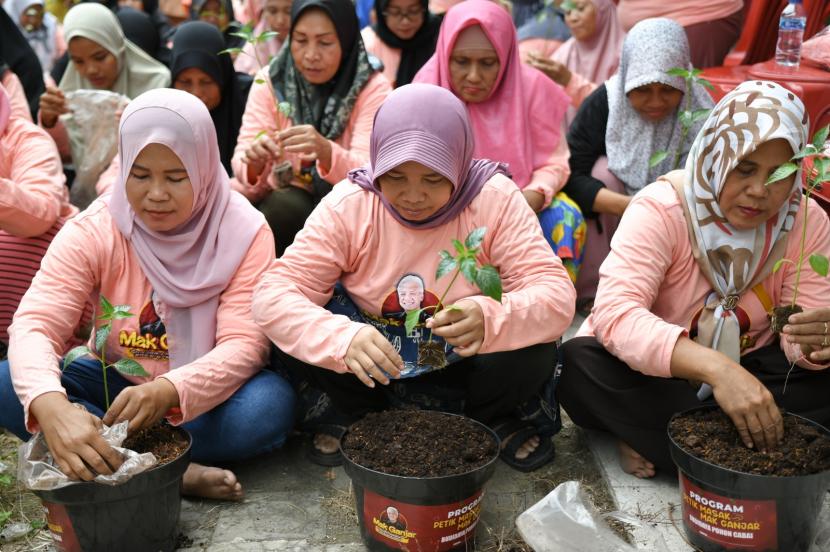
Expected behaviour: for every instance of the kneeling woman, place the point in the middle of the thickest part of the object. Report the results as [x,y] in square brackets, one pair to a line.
[379,236]
[684,294]
[180,248]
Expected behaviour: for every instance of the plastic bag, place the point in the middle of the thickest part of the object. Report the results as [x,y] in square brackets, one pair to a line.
[93,138]
[36,468]
[566,521]
[816,50]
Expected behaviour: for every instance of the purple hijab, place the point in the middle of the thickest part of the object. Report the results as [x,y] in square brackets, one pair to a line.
[190,266]
[429,125]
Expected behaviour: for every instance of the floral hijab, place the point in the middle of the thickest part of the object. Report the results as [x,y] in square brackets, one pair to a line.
[735,260]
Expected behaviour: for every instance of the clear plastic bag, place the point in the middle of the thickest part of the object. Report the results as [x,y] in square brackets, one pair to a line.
[93,137]
[816,50]
[36,468]
[566,521]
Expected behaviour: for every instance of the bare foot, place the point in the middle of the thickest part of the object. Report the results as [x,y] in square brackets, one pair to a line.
[632,462]
[326,444]
[527,447]
[208,482]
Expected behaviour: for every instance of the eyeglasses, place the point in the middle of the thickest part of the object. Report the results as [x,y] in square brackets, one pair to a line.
[411,15]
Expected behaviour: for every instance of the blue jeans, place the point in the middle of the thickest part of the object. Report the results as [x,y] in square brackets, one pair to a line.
[255,420]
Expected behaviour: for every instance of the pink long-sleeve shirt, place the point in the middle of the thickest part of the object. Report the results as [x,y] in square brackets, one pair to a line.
[17,96]
[90,255]
[651,288]
[352,238]
[685,12]
[349,151]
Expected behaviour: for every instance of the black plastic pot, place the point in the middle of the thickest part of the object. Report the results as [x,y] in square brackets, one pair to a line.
[140,515]
[434,514]
[728,510]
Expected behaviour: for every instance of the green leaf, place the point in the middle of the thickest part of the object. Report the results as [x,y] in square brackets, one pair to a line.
[808,150]
[695,71]
[413,317]
[705,83]
[4,516]
[286,108]
[101,335]
[37,524]
[657,158]
[678,72]
[121,311]
[567,6]
[266,36]
[231,51]
[446,265]
[5,479]
[259,81]
[699,114]
[260,134]
[130,367]
[467,265]
[489,282]
[820,137]
[459,247]
[820,264]
[75,354]
[475,237]
[779,263]
[452,308]
[106,308]
[782,172]
[686,118]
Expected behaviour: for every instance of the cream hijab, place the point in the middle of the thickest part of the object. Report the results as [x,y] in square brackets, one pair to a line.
[137,71]
[733,260]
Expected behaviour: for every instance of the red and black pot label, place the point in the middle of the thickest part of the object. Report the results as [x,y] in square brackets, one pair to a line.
[733,523]
[60,526]
[411,527]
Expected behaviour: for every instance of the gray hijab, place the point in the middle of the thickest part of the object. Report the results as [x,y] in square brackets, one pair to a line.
[651,48]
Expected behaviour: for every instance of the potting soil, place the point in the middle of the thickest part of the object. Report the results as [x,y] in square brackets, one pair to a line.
[711,436]
[418,443]
[165,442]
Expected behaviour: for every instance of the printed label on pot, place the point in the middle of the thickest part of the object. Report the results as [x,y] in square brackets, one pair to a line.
[61,528]
[411,527]
[733,523]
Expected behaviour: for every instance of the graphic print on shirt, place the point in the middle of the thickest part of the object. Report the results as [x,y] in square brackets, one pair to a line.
[408,293]
[149,339]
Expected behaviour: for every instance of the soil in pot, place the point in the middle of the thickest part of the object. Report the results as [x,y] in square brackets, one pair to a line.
[418,443]
[711,436]
[165,442]
[780,315]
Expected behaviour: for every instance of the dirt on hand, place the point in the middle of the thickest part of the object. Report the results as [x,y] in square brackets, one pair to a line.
[165,442]
[711,436]
[418,443]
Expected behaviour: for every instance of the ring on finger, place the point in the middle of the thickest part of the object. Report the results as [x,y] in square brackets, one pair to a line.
[824,342]
[825,328]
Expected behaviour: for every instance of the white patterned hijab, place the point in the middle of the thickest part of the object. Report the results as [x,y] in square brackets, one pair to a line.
[736,260]
[651,48]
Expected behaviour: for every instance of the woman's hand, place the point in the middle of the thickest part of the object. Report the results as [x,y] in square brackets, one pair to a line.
[811,330]
[461,326]
[143,405]
[535,199]
[307,143]
[372,358]
[557,72]
[52,105]
[261,151]
[74,438]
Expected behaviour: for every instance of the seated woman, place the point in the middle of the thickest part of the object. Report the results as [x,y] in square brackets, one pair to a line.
[220,14]
[617,129]
[592,53]
[403,38]
[102,59]
[180,248]
[685,291]
[517,113]
[34,204]
[331,93]
[378,237]
[272,16]
[18,57]
[544,33]
[40,28]
[198,68]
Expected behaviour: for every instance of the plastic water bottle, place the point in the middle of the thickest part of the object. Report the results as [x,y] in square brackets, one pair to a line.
[790,34]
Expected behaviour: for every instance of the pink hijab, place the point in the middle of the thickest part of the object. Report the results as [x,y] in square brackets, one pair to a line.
[520,123]
[190,266]
[597,58]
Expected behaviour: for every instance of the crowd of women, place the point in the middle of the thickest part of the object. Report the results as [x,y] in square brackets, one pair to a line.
[281,195]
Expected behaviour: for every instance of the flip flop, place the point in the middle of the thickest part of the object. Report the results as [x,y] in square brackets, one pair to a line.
[518,432]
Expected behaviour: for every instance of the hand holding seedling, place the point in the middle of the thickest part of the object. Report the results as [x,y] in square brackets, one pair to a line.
[372,358]
[262,150]
[307,143]
[557,72]
[143,405]
[811,331]
[52,105]
[461,326]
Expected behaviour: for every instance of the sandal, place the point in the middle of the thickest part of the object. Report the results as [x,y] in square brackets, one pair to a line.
[518,432]
[326,459]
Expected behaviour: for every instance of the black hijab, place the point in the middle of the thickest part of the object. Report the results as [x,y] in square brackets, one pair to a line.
[327,106]
[140,30]
[20,59]
[197,44]
[416,51]
[233,25]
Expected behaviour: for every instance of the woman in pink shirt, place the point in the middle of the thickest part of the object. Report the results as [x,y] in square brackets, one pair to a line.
[685,291]
[183,251]
[324,79]
[272,16]
[377,238]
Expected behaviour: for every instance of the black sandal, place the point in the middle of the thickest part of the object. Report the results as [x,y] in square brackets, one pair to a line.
[519,432]
[326,459]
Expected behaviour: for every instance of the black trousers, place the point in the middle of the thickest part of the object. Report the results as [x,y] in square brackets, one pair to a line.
[599,391]
[490,385]
[286,210]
